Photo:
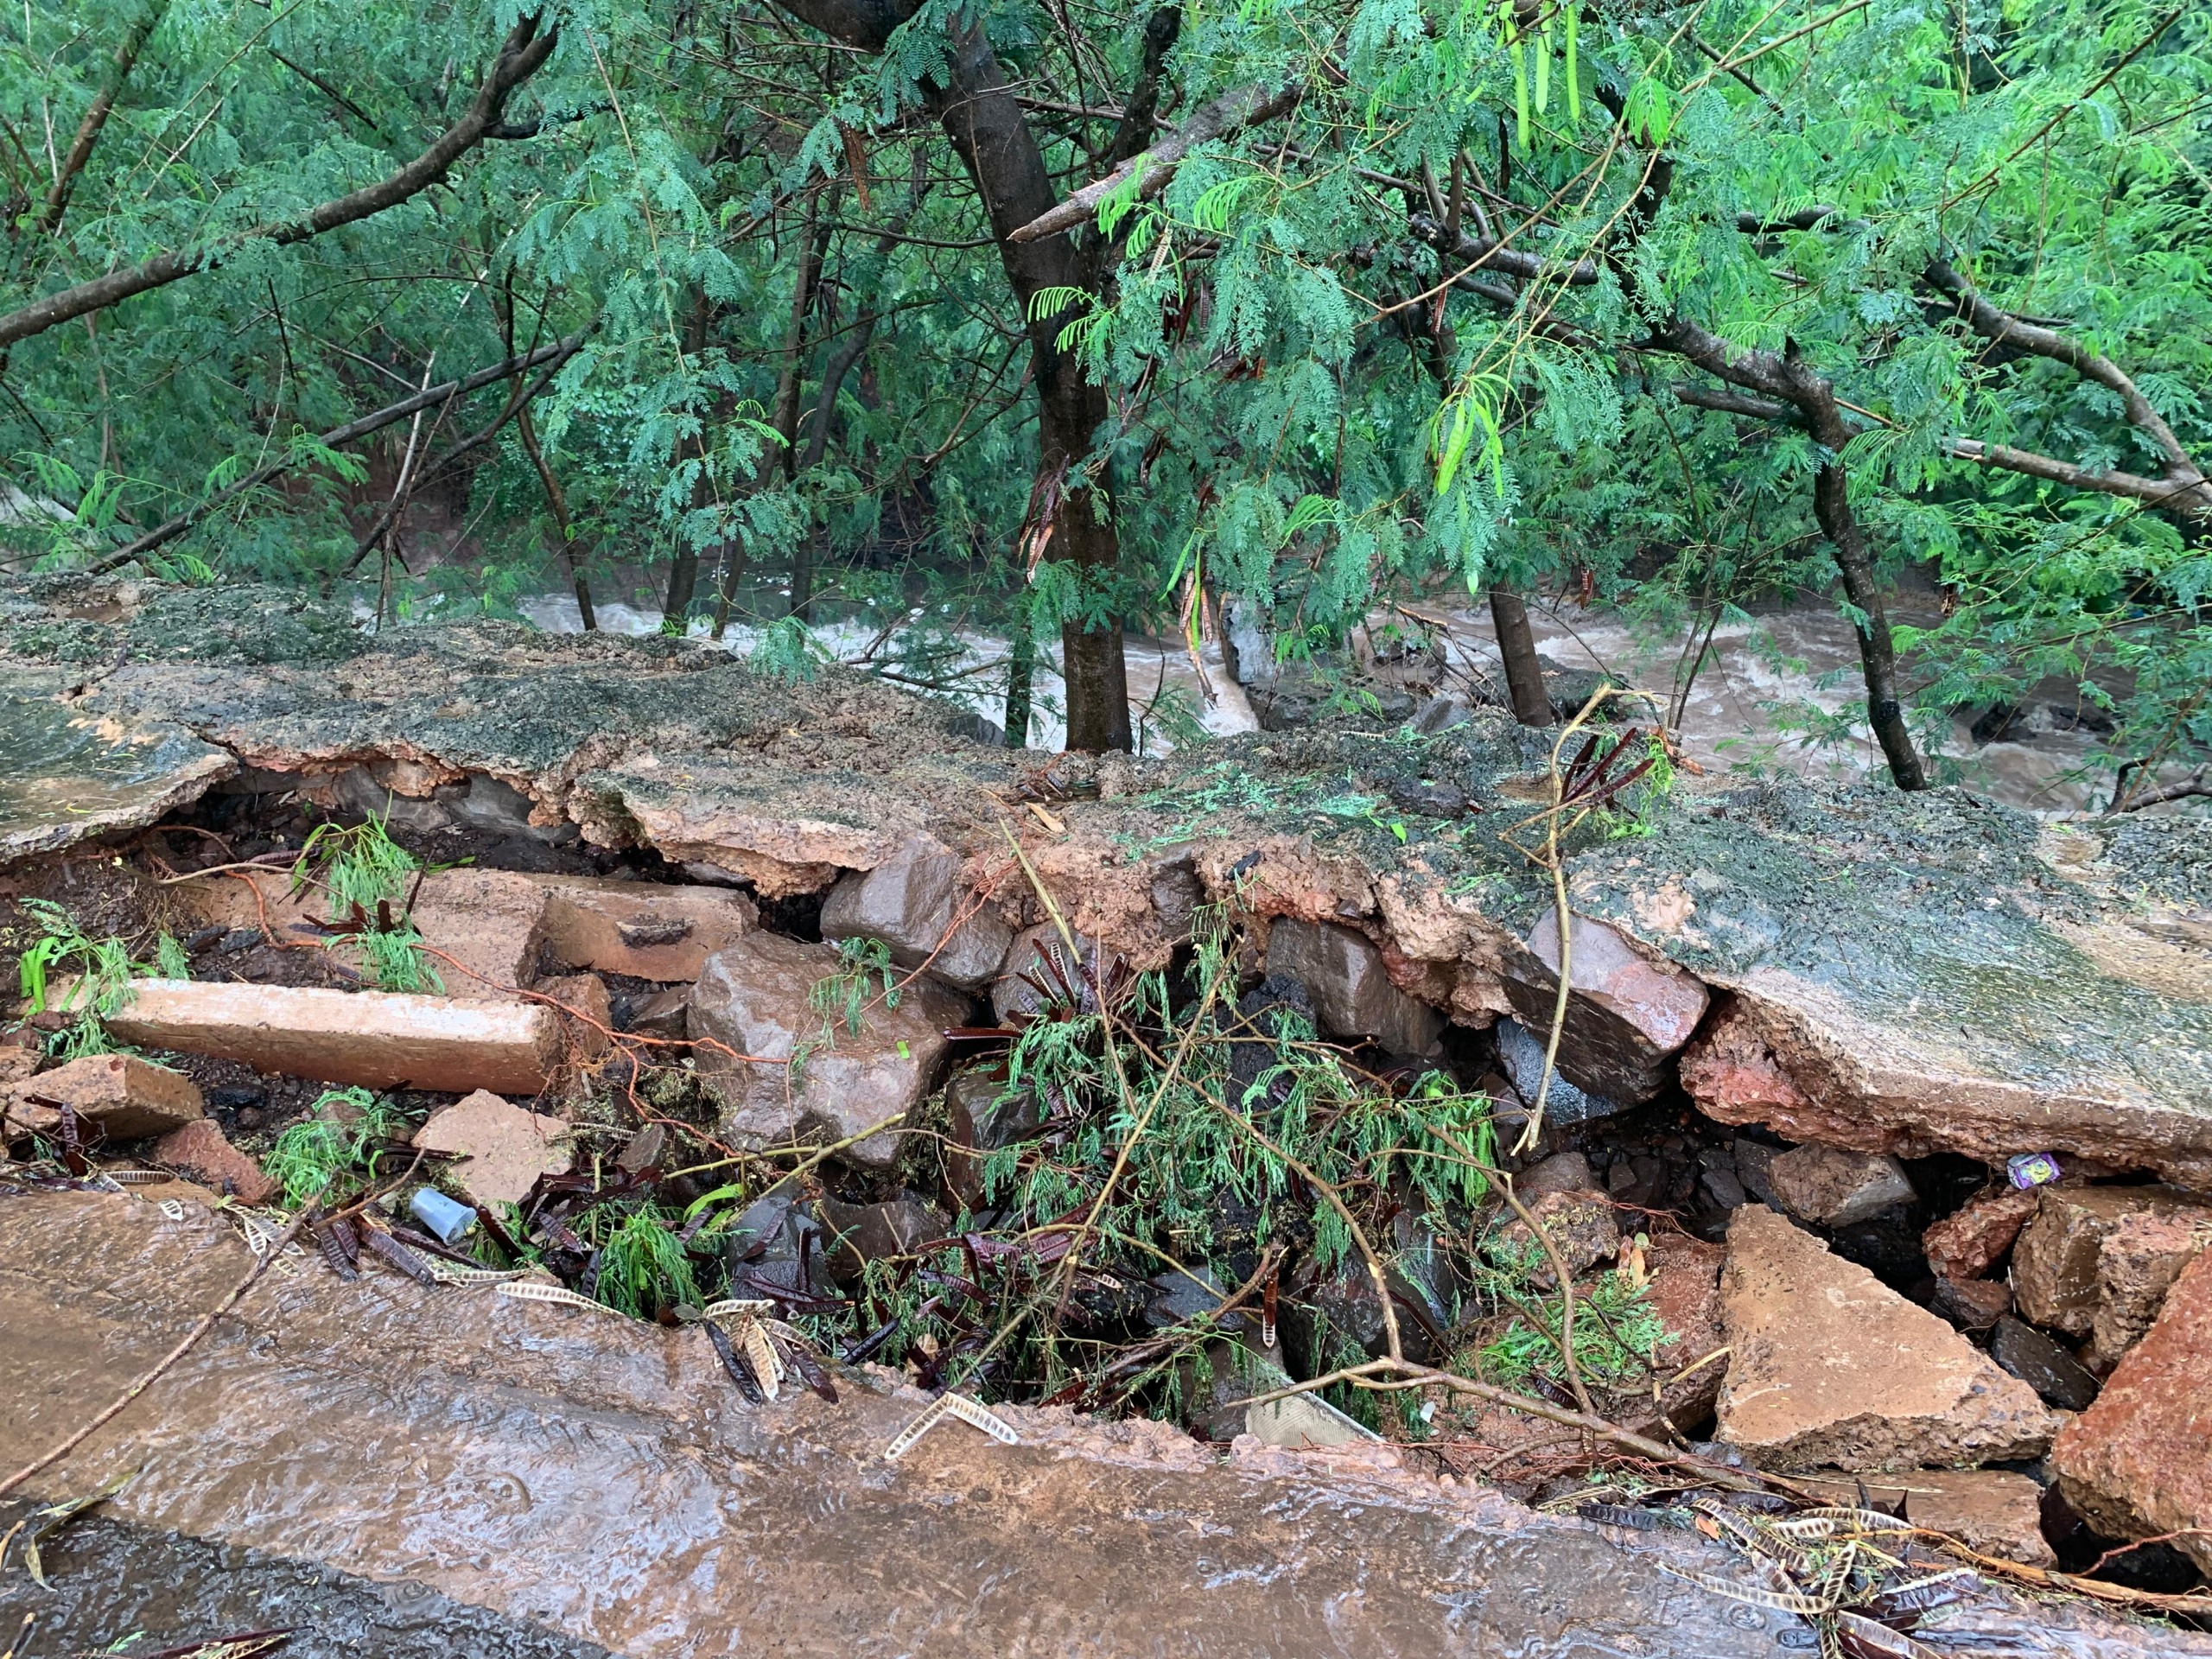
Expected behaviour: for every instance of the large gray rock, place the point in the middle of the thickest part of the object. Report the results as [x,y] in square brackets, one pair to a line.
[917,902]
[749,1015]
[1628,1011]
[1831,1367]
[1521,1052]
[1343,972]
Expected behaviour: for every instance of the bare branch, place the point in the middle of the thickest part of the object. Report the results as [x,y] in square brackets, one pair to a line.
[88,130]
[391,415]
[1490,253]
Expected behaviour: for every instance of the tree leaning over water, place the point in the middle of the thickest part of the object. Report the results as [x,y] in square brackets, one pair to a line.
[955,317]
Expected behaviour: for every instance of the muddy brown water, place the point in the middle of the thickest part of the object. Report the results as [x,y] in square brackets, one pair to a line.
[400,1471]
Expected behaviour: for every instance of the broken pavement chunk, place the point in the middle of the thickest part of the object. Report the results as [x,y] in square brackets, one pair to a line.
[753,999]
[123,1095]
[1627,1015]
[2133,1464]
[645,930]
[382,1040]
[2142,1256]
[506,1147]
[1343,972]
[2055,1261]
[1968,1244]
[201,1153]
[917,902]
[1992,1510]
[1831,1367]
[1832,1187]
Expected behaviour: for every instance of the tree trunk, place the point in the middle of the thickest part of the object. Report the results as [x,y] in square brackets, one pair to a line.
[1020,674]
[993,139]
[556,498]
[1877,655]
[1784,375]
[1516,646]
[984,121]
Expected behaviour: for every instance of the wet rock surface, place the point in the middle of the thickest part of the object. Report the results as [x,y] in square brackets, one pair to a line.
[1352,994]
[1831,1367]
[1627,1014]
[2056,1259]
[1832,1187]
[2134,1462]
[755,999]
[592,1482]
[917,902]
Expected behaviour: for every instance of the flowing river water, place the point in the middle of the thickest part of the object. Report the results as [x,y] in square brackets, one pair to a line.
[1750,707]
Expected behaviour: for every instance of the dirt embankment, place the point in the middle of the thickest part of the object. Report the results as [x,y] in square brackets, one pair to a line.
[1845,1007]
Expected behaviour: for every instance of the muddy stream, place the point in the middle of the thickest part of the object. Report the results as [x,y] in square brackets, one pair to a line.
[1748,707]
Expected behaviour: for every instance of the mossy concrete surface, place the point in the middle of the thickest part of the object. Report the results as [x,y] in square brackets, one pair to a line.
[1898,972]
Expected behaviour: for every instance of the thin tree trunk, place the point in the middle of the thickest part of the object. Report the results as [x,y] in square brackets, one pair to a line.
[1516,646]
[556,498]
[815,248]
[1785,375]
[1877,654]
[1021,676]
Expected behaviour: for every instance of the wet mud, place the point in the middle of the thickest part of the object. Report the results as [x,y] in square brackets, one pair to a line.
[534,1479]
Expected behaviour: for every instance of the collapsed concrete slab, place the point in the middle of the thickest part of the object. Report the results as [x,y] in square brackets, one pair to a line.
[381,1039]
[1830,1367]
[1896,974]
[598,1481]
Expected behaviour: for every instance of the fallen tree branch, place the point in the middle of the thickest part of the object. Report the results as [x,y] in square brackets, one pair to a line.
[391,415]
[521,55]
[1154,169]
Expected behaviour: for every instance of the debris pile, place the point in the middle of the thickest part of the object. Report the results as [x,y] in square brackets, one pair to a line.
[1235,1093]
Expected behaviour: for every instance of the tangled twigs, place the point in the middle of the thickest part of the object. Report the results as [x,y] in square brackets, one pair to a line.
[1391,1375]
[1550,860]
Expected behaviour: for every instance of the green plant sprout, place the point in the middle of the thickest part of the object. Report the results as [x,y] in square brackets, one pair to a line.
[101,986]
[333,1143]
[368,878]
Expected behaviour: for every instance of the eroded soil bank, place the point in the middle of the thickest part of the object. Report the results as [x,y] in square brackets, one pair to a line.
[1807,1028]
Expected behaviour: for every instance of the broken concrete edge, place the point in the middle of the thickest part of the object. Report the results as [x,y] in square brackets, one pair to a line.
[1449,913]
[604,1371]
